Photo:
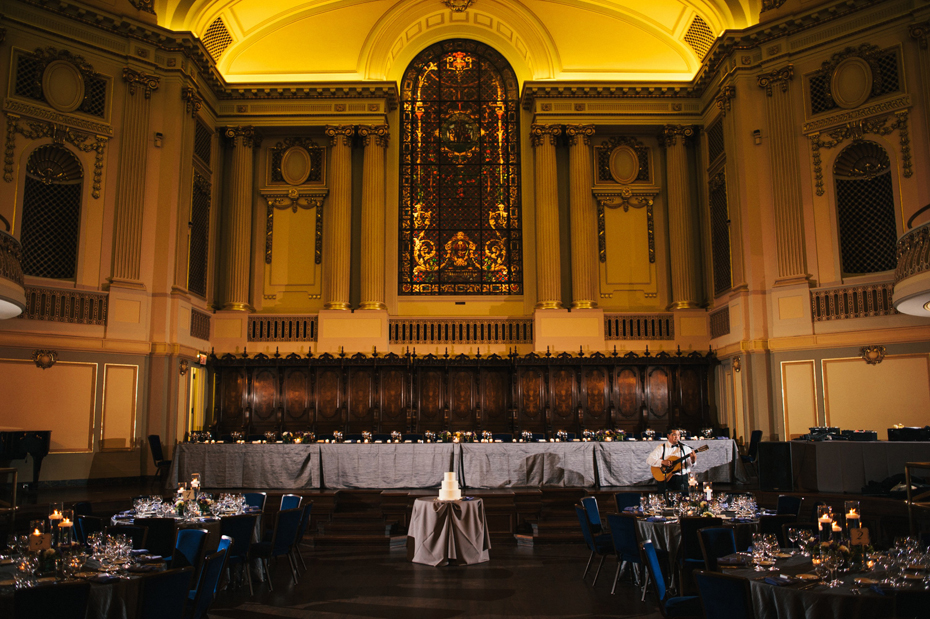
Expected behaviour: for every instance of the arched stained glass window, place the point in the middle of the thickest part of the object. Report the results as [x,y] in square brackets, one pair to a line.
[460,228]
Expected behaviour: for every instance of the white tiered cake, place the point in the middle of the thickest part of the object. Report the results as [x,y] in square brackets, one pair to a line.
[450,490]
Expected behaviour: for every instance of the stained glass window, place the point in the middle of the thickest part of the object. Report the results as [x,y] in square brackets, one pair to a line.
[460,228]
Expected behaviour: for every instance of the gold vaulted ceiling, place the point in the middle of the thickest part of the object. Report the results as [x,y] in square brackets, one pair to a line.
[351,40]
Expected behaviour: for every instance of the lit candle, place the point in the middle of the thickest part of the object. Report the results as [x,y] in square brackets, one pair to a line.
[852,520]
[66,523]
[37,533]
[836,528]
[608,439]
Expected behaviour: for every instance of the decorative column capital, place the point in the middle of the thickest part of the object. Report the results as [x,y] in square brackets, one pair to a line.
[920,32]
[194,101]
[251,138]
[669,134]
[380,133]
[727,93]
[579,134]
[340,132]
[539,132]
[137,79]
[778,76]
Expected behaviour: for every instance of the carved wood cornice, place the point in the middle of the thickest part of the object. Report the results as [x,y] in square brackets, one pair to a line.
[574,133]
[146,6]
[780,76]
[137,79]
[538,133]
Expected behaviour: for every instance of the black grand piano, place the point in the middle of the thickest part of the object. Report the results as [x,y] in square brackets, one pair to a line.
[14,445]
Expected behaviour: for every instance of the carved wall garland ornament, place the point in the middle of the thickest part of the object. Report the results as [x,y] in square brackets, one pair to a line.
[457,6]
[873,355]
[855,130]
[136,79]
[294,199]
[780,76]
[867,53]
[193,100]
[626,199]
[716,181]
[183,366]
[59,134]
[727,94]
[44,359]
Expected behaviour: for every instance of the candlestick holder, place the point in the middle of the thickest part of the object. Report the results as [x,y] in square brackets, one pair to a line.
[851,509]
[825,522]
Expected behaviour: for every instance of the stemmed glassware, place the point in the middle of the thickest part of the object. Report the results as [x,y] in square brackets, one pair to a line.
[831,561]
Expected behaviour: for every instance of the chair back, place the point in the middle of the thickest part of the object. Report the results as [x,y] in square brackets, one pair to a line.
[724,596]
[813,517]
[690,545]
[136,533]
[85,525]
[207,584]
[189,548]
[594,515]
[651,559]
[754,439]
[66,600]
[623,535]
[304,521]
[155,446]
[240,529]
[626,499]
[225,543]
[255,499]
[773,525]
[82,508]
[380,437]
[585,527]
[162,537]
[286,526]
[716,542]
[788,505]
[164,594]
[290,501]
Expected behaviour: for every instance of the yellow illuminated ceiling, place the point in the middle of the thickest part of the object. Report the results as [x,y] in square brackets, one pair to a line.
[352,40]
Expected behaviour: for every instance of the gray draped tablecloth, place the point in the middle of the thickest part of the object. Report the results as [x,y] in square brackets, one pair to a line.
[847,466]
[115,599]
[792,602]
[513,465]
[623,463]
[664,535]
[248,465]
[387,465]
[444,531]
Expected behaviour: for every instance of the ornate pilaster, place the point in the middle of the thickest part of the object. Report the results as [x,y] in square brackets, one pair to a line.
[548,283]
[243,141]
[921,33]
[727,93]
[337,242]
[786,185]
[375,140]
[583,217]
[192,100]
[681,218]
[130,188]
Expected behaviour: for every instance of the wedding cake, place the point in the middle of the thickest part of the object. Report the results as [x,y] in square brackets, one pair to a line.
[450,490]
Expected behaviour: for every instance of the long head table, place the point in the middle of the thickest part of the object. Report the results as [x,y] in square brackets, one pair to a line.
[413,465]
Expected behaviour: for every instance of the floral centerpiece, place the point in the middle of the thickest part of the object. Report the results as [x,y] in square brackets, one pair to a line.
[396,436]
[271,436]
[464,437]
[48,561]
[337,436]
[288,438]
[704,509]
[204,505]
[444,437]
[588,435]
[304,437]
[487,437]
[526,436]
[603,436]
[561,436]
[366,436]
[429,436]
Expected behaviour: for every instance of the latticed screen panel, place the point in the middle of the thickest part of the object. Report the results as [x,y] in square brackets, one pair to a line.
[200,236]
[51,222]
[700,37]
[28,80]
[95,97]
[460,230]
[821,101]
[203,143]
[642,154]
[603,165]
[720,233]
[865,209]
[888,70]
[217,38]
[715,145]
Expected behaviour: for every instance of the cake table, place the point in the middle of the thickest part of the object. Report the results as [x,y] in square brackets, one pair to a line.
[443,532]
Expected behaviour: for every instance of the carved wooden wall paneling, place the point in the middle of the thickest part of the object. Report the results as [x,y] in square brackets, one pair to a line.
[501,394]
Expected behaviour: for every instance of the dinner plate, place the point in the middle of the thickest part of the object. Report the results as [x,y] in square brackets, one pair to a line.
[913,577]
[782,555]
[866,581]
[807,576]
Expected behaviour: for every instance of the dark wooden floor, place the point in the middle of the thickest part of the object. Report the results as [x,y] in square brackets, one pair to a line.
[544,581]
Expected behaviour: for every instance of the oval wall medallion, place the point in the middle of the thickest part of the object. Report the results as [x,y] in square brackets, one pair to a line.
[624,164]
[851,83]
[63,86]
[295,165]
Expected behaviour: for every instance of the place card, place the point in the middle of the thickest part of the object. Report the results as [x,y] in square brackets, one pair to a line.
[859,537]
[42,541]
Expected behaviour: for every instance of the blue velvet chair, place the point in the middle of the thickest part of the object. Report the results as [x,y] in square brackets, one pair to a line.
[626,499]
[162,536]
[283,538]
[189,550]
[716,542]
[752,454]
[594,514]
[290,501]
[240,530]
[788,505]
[66,600]
[724,596]
[502,437]
[255,499]
[623,534]
[200,599]
[681,606]
[598,544]
[84,526]
[164,594]
[301,531]
[690,555]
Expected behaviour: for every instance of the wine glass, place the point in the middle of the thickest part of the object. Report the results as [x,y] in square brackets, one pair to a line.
[831,561]
[771,545]
[793,536]
[758,551]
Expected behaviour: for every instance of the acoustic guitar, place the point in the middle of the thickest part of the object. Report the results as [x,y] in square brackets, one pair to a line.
[664,473]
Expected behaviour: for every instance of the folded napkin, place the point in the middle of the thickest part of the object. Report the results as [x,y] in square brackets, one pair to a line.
[780,581]
[149,559]
[731,561]
[742,520]
[656,519]
[632,508]
[141,569]
[103,578]
[140,551]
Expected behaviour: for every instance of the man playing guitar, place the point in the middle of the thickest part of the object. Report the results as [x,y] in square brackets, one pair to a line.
[665,454]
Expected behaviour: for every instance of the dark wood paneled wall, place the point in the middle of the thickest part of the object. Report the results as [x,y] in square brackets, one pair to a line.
[540,393]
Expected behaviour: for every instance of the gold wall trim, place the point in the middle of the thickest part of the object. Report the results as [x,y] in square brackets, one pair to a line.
[278,328]
[460,330]
[625,198]
[784,394]
[639,326]
[847,302]
[135,406]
